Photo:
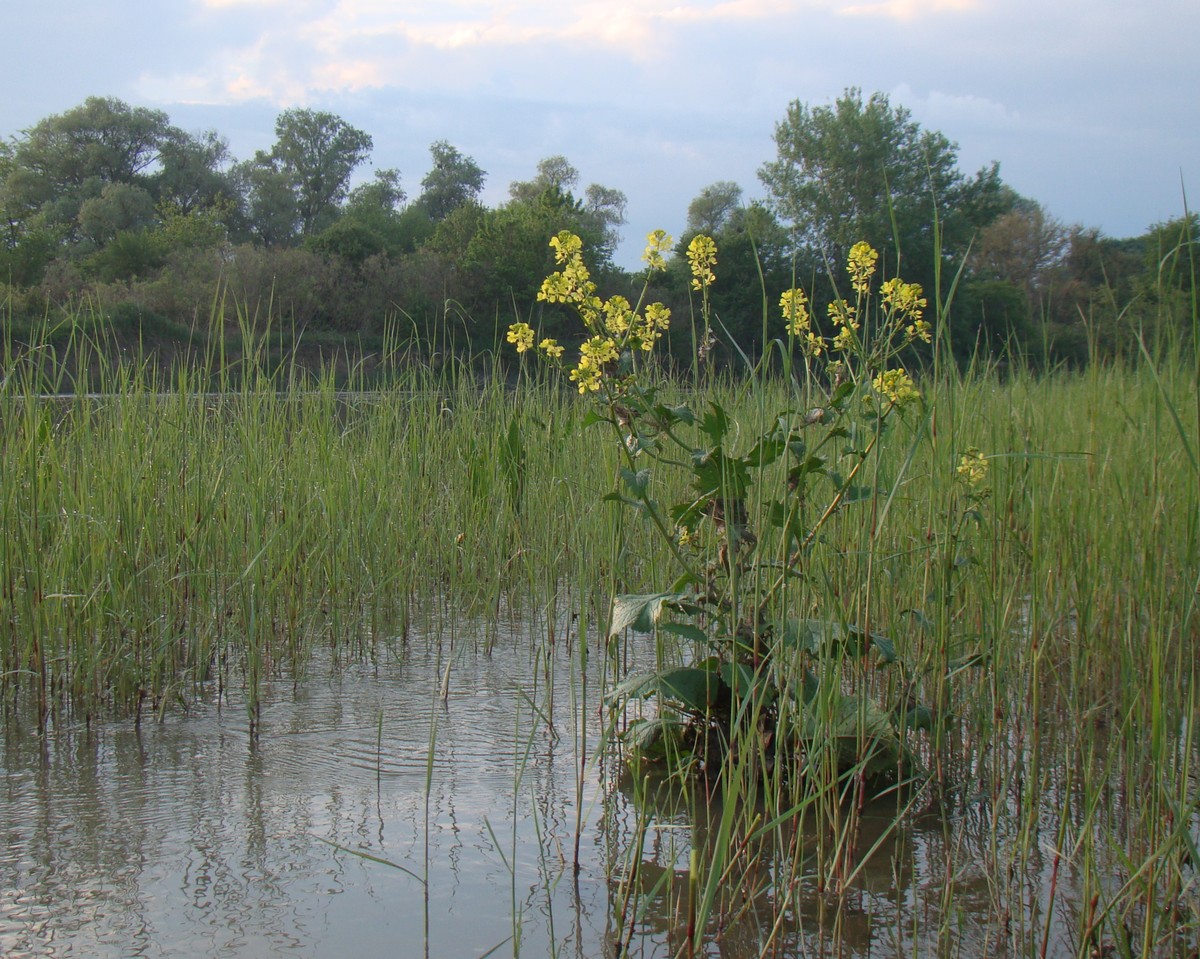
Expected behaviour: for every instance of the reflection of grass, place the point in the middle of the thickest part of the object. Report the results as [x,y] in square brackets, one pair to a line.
[152,542]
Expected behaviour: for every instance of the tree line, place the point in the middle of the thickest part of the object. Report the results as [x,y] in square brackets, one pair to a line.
[113,206]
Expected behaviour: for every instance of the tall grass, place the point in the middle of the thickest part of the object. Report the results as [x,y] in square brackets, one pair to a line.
[155,540]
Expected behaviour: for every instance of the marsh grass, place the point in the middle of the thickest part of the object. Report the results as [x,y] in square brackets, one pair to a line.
[157,540]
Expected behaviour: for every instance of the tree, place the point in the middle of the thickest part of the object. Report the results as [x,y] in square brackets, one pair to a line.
[601,212]
[317,152]
[553,173]
[453,181]
[272,208]
[69,158]
[713,208]
[1021,247]
[192,171]
[866,171]
[606,208]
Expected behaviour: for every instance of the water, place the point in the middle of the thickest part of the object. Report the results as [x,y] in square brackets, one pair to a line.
[427,804]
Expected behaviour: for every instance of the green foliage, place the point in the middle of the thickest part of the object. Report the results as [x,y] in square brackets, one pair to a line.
[759,507]
[864,170]
[317,152]
[454,180]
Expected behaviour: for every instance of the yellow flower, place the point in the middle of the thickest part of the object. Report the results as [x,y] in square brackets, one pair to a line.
[658,316]
[617,315]
[843,314]
[794,304]
[522,335]
[897,386]
[919,331]
[597,351]
[551,348]
[844,340]
[903,297]
[556,288]
[657,243]
[973,468]
[566,245]
[861,265]
[587,376]
[702,255]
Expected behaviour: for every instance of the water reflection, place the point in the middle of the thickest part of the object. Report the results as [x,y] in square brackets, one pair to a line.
[372,816]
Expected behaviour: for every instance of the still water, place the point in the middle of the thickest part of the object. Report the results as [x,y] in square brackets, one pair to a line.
[425,804]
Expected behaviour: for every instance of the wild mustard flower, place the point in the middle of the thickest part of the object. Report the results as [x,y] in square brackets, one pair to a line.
[702,256]
[521,334]
[587,376]
[973,468]
[658,316]
[650,329]
[845,317]
[556,288]
[613,325]
[861,266]
[896,386]
[566,246]
[658,242]
[903,297]
[598,351]
[843,314]
[794,304]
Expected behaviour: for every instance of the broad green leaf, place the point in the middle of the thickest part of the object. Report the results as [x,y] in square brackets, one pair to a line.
[656,739]
[715,423]
[685,630]
[740,678]
[821,637]
[692,688]
[640,611]
[639,685]
[917,717]
[638,482]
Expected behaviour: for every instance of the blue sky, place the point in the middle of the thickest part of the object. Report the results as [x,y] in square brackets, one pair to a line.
[1091,108]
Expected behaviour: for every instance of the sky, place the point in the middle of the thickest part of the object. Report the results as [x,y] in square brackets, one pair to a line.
[1091,107]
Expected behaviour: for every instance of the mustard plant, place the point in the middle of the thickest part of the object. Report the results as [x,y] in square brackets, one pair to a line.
[776,665]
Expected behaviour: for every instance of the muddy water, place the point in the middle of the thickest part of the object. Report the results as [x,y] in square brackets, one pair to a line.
[424,805]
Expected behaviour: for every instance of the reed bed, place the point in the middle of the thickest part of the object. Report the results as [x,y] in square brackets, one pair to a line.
[221,530]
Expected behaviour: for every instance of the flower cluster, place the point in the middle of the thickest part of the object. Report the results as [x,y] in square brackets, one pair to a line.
[613,325]
[521,334]
[897,387]
[702,256]
[973,468]
[905,301]
[862,266]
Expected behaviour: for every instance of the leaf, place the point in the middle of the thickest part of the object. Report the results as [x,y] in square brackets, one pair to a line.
[956,666]
[685,630]
[821,637]
[715,423]
[692,688]
[637,483]
[639,686]
[919,718]
[668,416]
[591,418]
[740,678]
[715,472]
[640,611]
[656,739]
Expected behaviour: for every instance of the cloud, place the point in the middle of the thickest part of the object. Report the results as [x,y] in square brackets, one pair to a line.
[347,46]
[907,10]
